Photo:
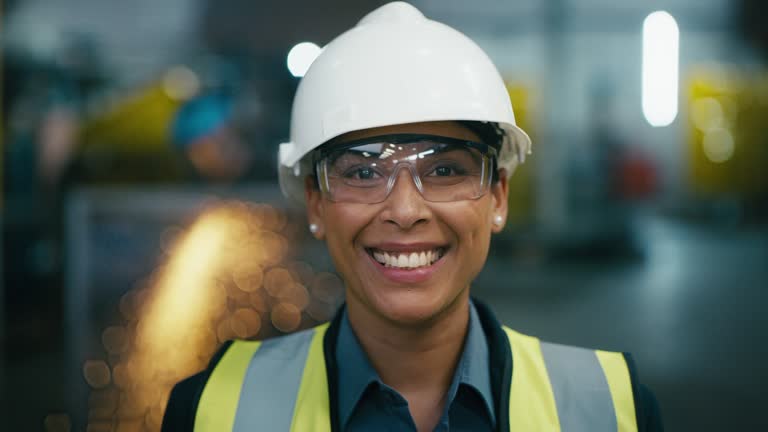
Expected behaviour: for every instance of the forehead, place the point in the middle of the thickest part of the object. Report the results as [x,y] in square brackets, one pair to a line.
[443,128]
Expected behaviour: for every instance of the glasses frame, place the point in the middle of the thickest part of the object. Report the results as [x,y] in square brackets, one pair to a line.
[322,153]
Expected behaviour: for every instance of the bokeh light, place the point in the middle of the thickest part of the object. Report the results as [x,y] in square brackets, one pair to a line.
[223,277]
[224,330]
[327,287]
[286,317]
[181,83]
[96,373]
[301,271]
[277,282]
[115,339]
[248,277]
[707,114]
[298,296]
[276,244]
[120,376]
[718,145]
[301,56]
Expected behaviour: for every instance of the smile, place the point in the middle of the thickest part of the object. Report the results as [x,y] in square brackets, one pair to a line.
[407,260]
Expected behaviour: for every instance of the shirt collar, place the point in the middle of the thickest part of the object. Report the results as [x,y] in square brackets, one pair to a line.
[357,373]
[474,366]
[355,370]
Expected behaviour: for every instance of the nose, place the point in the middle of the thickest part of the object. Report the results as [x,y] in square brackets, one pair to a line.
[405,207]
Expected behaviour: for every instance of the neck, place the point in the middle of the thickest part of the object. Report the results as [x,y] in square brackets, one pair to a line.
[413,359]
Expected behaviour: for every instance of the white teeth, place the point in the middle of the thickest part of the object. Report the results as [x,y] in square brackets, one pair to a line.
[413,260]
[407,260]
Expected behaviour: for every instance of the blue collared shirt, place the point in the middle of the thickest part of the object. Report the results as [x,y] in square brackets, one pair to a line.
[367,404]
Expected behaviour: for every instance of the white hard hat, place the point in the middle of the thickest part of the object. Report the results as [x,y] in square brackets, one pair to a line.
[395,67]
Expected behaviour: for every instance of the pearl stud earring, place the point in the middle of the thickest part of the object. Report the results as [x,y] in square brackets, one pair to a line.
[313,228]
[498,220]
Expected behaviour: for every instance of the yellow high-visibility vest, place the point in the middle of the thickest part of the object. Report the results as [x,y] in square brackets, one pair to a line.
[281,385]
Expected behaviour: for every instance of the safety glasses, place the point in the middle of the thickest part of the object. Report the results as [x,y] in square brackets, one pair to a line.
[443,169]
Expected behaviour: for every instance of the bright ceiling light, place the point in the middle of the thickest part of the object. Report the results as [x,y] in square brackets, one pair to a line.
[661,45]
[301,56]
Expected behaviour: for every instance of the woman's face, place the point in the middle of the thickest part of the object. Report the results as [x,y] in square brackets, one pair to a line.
[403,224]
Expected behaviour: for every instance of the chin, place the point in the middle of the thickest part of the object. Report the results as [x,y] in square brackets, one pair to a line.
[411,307]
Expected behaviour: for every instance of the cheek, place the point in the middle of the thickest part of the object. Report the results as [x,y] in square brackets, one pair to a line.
[473,229]
[343,223]
[471,222]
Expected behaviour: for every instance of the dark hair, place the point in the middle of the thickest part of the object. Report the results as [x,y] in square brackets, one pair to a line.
[490,133]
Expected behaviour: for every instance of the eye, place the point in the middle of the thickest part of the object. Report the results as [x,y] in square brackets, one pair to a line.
[443,171]
[361,173]
[447,170]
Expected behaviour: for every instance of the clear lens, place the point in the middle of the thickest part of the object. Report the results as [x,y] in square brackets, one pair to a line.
[441,171]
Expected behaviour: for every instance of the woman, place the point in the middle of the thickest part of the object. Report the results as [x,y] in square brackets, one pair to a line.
[403,139]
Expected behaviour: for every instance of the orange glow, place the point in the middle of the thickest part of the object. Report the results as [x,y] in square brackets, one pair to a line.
[96,373]
[286,317]
[221,278]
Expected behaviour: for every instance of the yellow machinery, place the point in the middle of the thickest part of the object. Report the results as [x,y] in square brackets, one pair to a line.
[129,139]
[522,193]
[727,144]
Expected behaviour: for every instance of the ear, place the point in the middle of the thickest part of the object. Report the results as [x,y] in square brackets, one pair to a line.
[314,200]
[499,196]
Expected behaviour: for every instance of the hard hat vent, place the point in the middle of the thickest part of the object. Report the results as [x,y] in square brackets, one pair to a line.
[395,12]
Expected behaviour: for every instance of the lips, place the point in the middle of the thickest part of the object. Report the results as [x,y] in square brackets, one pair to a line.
[407,259]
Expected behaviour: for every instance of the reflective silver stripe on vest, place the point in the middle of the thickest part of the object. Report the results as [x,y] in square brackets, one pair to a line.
[581,391]
[271,384]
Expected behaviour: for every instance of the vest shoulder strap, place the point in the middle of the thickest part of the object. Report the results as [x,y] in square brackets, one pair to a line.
[559,387]
[277,384]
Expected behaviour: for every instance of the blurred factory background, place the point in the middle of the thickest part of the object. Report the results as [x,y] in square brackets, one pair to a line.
[142,223]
